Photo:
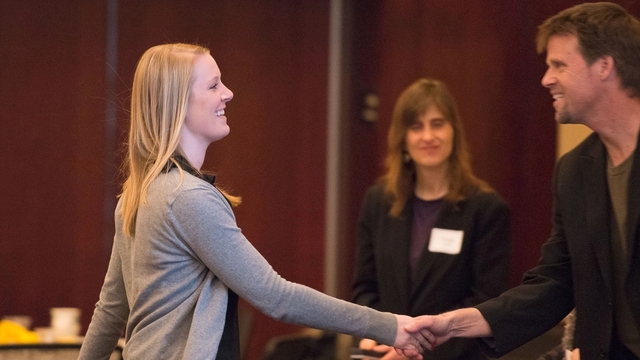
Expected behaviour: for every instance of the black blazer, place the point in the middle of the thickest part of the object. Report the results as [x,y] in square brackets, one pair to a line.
[443,282]
[575,266]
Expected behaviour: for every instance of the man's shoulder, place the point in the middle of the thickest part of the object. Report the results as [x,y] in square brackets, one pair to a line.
[587,147]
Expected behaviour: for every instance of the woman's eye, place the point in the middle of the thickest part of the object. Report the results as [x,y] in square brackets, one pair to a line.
[437,123]
[214,86]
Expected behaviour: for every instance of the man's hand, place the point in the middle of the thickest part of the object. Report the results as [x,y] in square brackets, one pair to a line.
[437,329]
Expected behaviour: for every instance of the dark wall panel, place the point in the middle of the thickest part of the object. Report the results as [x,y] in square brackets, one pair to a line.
[51,146]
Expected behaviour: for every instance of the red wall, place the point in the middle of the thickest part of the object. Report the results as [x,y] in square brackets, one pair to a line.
[53,164]
[59,166]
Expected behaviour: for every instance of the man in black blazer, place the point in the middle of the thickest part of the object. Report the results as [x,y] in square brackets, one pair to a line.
[592,258]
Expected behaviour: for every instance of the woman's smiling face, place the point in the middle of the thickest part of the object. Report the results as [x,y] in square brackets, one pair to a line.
[429,140]
[205,121]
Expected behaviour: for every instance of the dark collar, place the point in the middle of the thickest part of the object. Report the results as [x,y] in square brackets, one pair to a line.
[186,166]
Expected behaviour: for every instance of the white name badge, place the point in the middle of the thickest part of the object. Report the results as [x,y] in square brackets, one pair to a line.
[446,241]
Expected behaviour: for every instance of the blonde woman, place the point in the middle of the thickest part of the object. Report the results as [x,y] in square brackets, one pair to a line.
[178,258]
[432,236]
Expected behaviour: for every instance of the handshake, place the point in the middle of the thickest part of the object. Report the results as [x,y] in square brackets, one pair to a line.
[417,335]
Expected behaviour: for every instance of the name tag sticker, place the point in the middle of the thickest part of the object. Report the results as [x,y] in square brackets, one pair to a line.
[446,241]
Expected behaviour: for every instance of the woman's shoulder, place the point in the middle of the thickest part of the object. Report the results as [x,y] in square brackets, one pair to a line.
[182,180]
[488,200]
[175,185]
[376,194]
[376,189]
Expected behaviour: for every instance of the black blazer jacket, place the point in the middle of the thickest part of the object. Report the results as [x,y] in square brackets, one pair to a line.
[443,282]
[575,266]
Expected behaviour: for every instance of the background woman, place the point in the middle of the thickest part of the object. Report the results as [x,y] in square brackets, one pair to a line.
[178,257]
[431,236]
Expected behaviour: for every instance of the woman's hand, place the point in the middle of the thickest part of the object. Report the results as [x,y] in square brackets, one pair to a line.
[407,343]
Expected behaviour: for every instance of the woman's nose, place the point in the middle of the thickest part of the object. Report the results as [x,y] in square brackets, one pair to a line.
[427,133]
[227,94]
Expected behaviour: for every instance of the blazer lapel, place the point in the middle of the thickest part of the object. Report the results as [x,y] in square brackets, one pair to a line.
[447,219]
[594,177]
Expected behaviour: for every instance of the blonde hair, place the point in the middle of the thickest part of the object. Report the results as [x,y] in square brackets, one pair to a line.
[399,178]
[159,98]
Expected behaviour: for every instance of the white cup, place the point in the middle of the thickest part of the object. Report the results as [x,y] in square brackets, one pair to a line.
[45,334]
[65,323]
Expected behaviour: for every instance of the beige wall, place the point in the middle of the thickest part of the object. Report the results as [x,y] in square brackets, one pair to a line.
[570,135]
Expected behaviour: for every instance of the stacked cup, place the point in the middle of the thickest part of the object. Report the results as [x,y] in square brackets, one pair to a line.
[65,322]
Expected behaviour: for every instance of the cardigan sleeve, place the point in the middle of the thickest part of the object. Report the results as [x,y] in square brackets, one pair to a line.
[207,224]
[111,312]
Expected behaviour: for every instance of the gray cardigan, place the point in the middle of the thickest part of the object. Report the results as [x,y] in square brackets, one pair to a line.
[167,287]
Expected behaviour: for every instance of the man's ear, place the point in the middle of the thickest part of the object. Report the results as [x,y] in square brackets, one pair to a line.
[605,66]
